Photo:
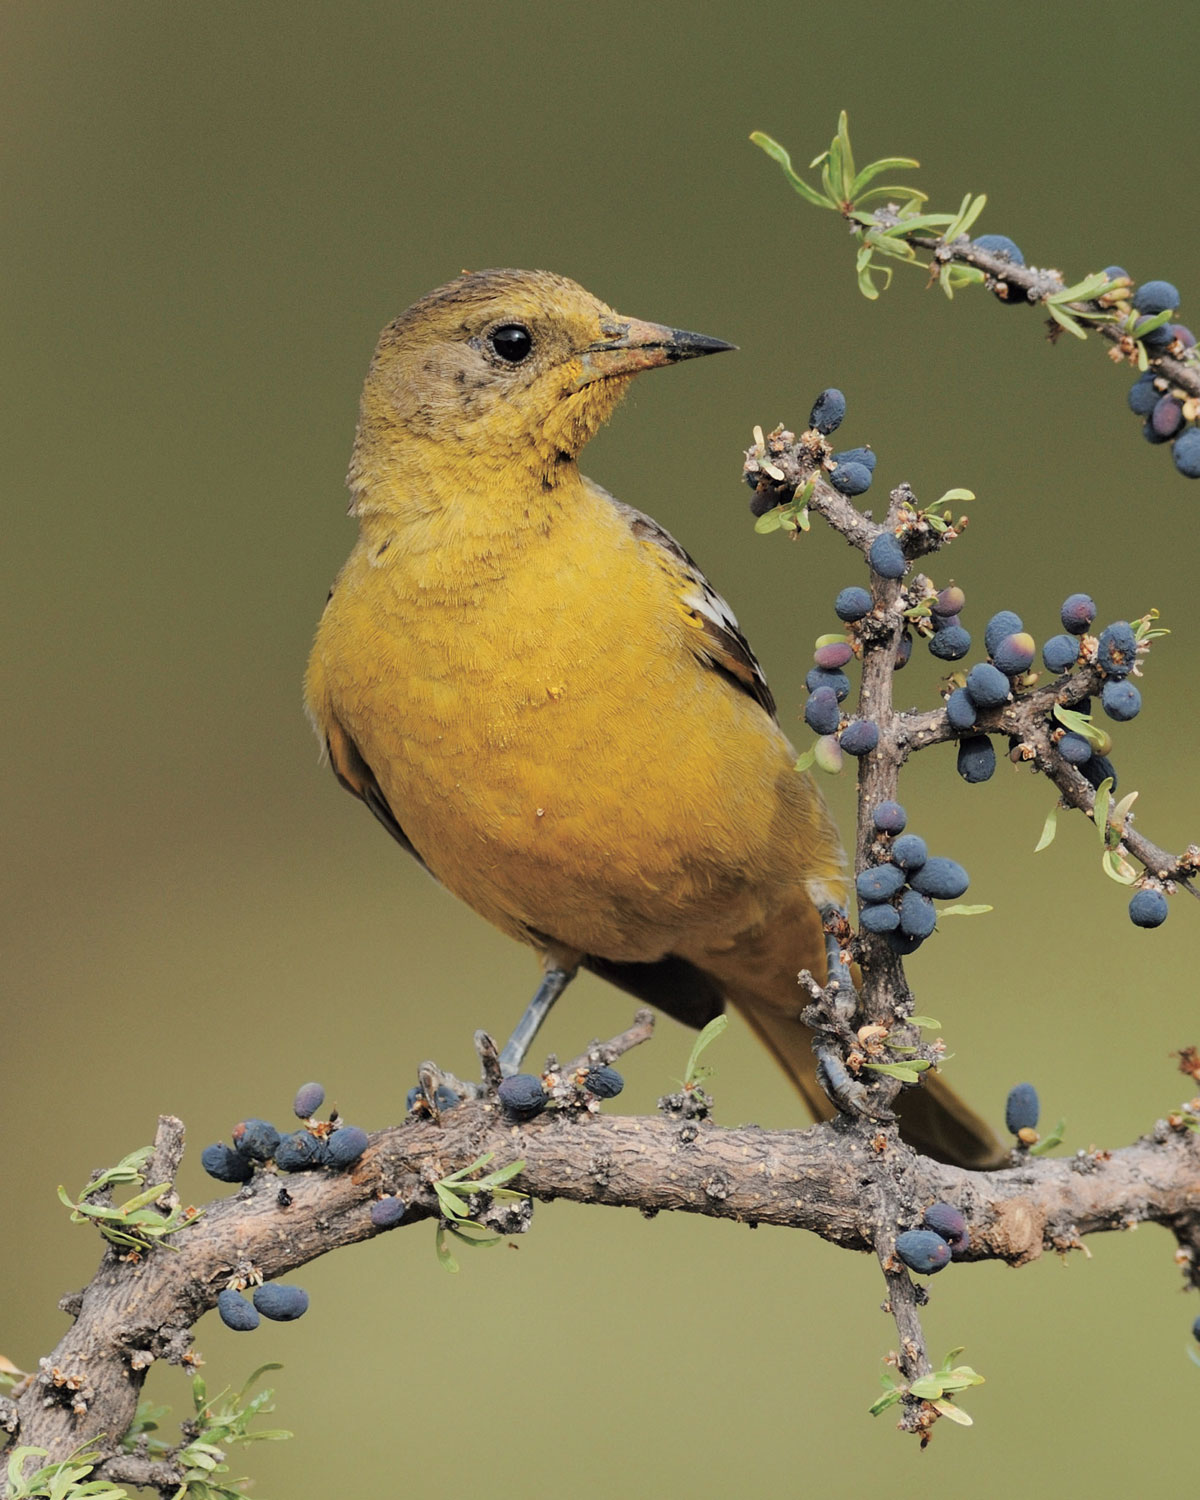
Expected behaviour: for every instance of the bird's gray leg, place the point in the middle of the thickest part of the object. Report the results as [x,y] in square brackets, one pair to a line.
[554,982]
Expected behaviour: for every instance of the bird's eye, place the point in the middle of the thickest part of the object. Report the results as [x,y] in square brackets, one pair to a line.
[512,342]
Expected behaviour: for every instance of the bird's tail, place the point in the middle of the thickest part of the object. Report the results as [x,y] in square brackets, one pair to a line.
[933,1119]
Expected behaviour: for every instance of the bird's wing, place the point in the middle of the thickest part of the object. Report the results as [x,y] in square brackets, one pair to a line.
[719,643]
[356,776]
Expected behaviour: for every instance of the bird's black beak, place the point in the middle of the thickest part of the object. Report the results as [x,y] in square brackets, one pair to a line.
[628,345]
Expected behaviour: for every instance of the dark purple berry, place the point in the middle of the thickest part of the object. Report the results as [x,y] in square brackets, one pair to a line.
[1060,653]
[226,1164]
[1167,417]
[918,916]
[878,917]
[1015,653]
[909,851]
[950,601]
[256,1139]
[946,1220]
[879,882]
[1155,297]
[976,758]
[1184,335]
[1100,769]
[236,1312]
[1074,749]
[864,456]
[1186,453]
[1121,700]
[345,1146]
[886,555]
[1153,437]
[960,711]
[923,1251]
[821,677]
[1148,908]
[1021,1108]
[902,943]
[903,651]
[851,479]
[829,411]
[950,644]
[1000,244]
[834,656]
[1117,649]
[987,686]
[859,737]
[1077,613]
[283,1304]
[309,1098]
[522,1096]
[1143,396]
[940,878]
[946,622]
[1001,624]
[852,604]
[604,1082]
[299,1152]
[821,712]
[889,817]
[386,1213]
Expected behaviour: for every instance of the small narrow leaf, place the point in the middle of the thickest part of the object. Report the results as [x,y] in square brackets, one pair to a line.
[806,761]
[772,521]
[709,1035]
[954,1413]
[926,1023]
[954,496]
[1049,829]
[964,911]
[889,1398]
[777,154]
[1064,320]
[884,164]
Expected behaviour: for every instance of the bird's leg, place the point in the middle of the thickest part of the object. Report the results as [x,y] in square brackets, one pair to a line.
[554,982]
[836,925]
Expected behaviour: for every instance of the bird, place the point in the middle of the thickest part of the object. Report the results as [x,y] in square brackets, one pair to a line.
[537,692]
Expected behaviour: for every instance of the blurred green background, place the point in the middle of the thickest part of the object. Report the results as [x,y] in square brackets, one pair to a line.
[210,212]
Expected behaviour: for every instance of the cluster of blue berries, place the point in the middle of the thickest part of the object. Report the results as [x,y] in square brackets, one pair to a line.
[896,894]
[523,1096]
[319,1144]
[943,1237]
[1151,396]
[283,1304]
[851,470]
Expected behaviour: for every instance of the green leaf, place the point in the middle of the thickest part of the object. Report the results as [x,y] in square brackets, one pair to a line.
[1100,806]
[777,154]
[845,159]
[1050,1140]
[805,762]
[504,1174]
[954,1413]
[1049,829]
[927,1388]
[1150,324]
[709,1035]
[964,911]
[907,199]
[772,521]
[1117,867]
[884,164]
[889,1398]
[445,1259]
[926,1023]
[906,1072]
[1083,291]
[954,496]
[866,284]
[1064,320]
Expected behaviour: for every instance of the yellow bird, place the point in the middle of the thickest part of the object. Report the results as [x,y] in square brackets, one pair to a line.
[538,693]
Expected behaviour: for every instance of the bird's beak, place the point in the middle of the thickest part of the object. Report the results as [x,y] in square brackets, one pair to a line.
[629,345]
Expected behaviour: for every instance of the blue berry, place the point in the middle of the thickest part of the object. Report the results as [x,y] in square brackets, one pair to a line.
[878,917]
[309,1098]
[909,851]
[1121,700]
[1117,649]
[445,1098]
[1115,273]
[950,643]
[604,1082]
[1000,244]
[822,677]
[414,1094]
[960,711]
[889,817]
[1143,397]
[1015,653]
[1074,749]
[902,943]
[1100,769]
[1001,624]
[236,1312]
[283,1304]
[940,878]
[522,1096]
[299,1152]
[1186,453]
[1155,297]
[386,1213]
[886,555]
[946,1220]
[859,737]
[1077,613]
[922,1250]
[879,882]
[829,411]
[1060,653]
[256,1139]
[864,456]
[1155,339]
[1021,1108]
[987,686]
[976,758]
[1167,417]
[345,1146]
[851,479]
[852,604]
[226,1164]
[1148,908]
[821,712]
[918,917]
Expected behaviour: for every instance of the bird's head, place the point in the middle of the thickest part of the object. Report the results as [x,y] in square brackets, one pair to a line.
[501,371]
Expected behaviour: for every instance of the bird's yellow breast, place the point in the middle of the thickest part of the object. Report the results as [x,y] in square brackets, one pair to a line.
[547,738]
